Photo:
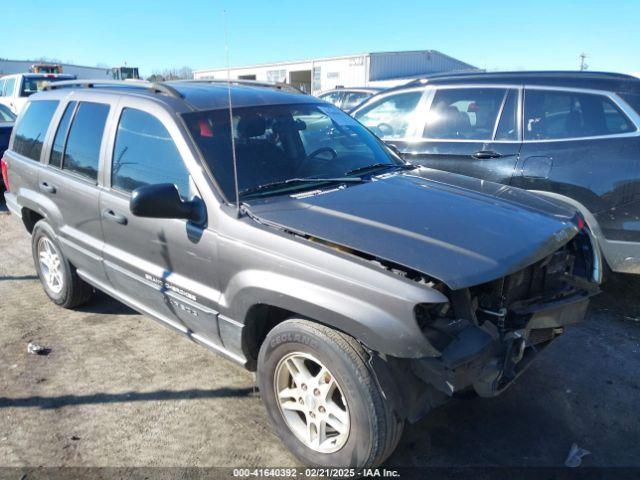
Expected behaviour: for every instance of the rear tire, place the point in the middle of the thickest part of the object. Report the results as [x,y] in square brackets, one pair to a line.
[365,428]
[58,277]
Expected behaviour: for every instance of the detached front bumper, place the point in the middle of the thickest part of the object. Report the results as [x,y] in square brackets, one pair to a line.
[479,358]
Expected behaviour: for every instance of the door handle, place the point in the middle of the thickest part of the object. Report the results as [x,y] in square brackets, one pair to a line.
[484,154]
[109,214]
[45,187]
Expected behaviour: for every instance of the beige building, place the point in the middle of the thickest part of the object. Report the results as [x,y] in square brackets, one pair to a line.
[366,69]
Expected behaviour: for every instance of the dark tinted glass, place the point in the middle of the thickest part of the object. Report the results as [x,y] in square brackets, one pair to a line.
[32,127]
[556,114]
[276,143]
[82,153]
[145,154]
[508,126]
[61,136]
[464,113]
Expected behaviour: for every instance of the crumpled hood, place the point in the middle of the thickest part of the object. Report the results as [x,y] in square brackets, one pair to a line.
[460,230]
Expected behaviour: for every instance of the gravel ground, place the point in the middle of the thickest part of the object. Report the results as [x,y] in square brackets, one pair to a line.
[119,389]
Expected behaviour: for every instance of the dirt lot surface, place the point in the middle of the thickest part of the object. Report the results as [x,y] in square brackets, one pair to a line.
[119,389]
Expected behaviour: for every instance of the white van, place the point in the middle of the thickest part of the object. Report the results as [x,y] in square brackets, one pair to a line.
[15,89]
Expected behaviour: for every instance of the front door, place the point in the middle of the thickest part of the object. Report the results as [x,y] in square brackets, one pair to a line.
[472,131]
[167,267]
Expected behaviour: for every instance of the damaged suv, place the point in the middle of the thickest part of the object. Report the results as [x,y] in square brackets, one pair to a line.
[280,233]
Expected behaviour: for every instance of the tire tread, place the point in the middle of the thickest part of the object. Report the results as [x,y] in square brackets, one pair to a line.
[387,425]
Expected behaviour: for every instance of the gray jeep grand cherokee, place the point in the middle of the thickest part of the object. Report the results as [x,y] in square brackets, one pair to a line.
[364,291]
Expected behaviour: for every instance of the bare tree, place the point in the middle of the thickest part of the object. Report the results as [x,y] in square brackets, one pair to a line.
[183,73]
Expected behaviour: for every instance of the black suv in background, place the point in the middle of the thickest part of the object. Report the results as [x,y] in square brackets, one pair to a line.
[570,135]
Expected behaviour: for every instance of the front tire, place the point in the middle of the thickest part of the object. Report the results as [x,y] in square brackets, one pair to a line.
[58,277]
[324,400]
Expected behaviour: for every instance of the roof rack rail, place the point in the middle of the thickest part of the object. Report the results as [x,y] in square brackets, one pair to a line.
[424,79]
[155,87]
[251,83]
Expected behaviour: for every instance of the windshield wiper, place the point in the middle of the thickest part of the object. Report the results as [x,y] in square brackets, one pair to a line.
[283,183]
[378,166]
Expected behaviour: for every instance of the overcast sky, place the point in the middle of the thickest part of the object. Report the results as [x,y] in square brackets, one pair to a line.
[157,34]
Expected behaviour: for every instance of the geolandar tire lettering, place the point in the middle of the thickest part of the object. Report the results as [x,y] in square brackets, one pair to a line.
[58,277]
[322,397]
[293,337]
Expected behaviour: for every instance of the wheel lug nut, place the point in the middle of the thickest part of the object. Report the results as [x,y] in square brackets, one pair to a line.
[312,415]
[301,400]
[304,386]
[321,409]
[316,392]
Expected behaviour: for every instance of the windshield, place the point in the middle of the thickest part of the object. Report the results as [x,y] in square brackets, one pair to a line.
[31,85]
[277,143]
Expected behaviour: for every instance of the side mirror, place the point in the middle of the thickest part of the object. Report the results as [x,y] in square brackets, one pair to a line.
[161,200]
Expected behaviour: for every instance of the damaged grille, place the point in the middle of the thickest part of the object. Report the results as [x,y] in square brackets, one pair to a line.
[507,304]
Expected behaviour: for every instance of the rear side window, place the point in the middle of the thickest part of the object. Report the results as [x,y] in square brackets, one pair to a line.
[391,116]
[61,136]
[464,113]
[82,151]
[552,115]
[145,154]
[31,129]
[2,88]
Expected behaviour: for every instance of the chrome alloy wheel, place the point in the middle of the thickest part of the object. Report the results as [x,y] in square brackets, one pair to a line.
[50,265]
[311,402]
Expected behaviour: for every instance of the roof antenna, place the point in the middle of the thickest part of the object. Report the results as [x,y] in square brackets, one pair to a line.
[233,141]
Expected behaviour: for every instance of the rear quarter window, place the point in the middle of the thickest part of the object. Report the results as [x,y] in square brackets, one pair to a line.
[551,115]
[32,127]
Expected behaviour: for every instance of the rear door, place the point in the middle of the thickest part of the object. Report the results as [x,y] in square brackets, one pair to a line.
[165,266]
[584,145]
[470,130]
[69,180]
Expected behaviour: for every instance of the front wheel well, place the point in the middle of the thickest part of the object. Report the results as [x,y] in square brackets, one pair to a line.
[259,321]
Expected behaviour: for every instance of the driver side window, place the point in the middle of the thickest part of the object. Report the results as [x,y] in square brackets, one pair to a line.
[145,154]
[391,116]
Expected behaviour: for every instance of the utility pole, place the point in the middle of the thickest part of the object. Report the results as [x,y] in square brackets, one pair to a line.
[583,65]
